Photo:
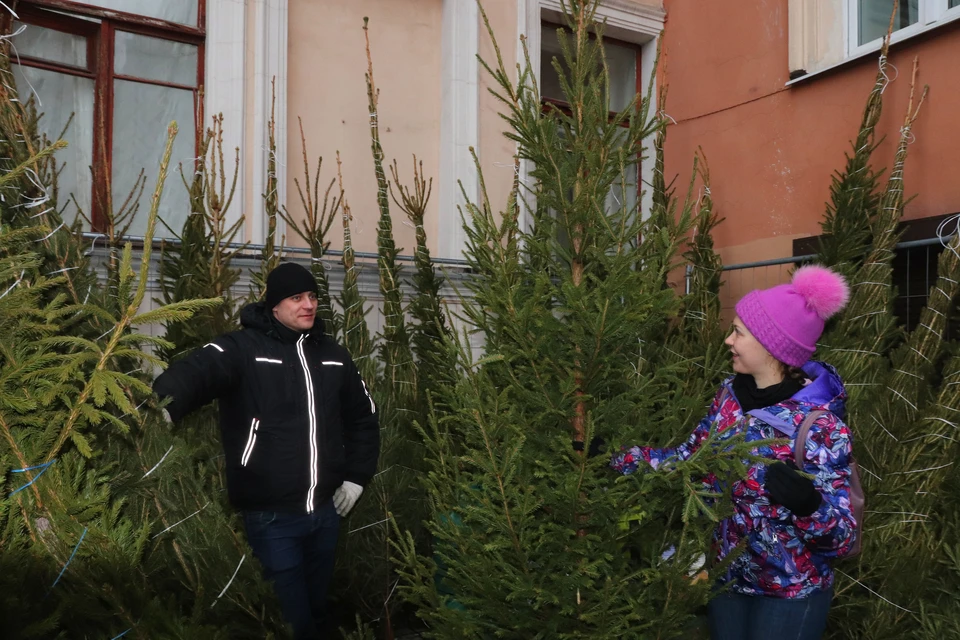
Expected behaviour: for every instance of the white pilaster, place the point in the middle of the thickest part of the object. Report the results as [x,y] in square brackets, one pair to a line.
[459,120]
[224,85]
[270,65]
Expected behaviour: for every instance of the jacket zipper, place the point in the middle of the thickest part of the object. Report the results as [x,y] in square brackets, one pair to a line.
[312,421]
[251,441]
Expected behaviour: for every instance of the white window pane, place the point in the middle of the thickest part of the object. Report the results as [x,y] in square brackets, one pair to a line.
[155,59]
[60,96]
[179,11]
[47,44]
[874,17]
[140,118]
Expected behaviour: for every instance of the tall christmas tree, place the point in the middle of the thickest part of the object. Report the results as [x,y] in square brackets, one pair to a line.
[903,409]
[531,534]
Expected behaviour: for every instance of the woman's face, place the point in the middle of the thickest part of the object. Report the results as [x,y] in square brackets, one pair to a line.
[749,356]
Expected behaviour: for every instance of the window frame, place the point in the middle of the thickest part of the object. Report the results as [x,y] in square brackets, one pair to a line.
[932,14]
[61,15]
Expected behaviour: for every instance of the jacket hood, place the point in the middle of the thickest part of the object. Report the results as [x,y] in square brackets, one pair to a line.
[826,391]
[255,316]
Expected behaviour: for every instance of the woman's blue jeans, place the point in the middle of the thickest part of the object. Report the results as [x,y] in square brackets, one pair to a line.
[735,616]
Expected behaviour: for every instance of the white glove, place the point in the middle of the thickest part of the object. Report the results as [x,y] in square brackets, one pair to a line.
[345,497]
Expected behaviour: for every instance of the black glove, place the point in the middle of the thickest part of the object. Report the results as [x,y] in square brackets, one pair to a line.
[787,487]
[596,446]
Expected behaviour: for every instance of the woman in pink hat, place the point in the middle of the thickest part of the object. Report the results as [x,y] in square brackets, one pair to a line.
[790,526]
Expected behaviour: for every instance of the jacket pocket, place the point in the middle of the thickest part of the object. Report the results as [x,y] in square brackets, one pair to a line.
[251,442]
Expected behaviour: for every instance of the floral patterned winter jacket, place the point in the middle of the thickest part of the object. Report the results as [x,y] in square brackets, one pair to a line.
[786,556]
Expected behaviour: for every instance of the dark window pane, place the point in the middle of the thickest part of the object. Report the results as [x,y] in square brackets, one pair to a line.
[875,17]
[621,64]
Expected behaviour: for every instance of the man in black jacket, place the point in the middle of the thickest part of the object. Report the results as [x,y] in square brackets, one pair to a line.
[300,435]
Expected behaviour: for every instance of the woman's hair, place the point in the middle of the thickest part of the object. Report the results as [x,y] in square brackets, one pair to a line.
[792,373]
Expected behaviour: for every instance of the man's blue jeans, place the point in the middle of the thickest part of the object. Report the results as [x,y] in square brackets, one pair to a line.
[734,616]
[297,551]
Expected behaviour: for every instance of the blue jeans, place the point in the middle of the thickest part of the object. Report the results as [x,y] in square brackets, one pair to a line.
[734,616]
[297,551]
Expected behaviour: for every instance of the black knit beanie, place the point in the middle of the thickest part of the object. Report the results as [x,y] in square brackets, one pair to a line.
[288,279]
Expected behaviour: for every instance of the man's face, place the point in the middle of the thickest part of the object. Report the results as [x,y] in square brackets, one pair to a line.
[298,312]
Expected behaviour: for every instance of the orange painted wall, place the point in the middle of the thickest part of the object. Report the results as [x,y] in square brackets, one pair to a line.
[772,149]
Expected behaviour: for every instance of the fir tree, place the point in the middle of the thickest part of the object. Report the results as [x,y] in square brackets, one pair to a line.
[391,495]
[80,523]
[313,230]
[528,530]
[430,335]
[853,193]
[199,265]
[902,408]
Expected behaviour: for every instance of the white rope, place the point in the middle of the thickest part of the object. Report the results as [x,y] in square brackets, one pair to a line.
[236,571]
[158,464]
[182,521]
[873,592]
[904,473]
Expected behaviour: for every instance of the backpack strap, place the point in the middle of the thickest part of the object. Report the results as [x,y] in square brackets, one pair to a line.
[801,442]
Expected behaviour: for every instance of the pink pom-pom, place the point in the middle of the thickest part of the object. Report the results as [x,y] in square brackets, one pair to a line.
[825,291]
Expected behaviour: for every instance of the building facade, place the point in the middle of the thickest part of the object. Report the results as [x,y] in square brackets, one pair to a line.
[774,92]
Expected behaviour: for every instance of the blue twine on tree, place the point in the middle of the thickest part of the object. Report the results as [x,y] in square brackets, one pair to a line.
[69,560]
[43,467]
[123,634]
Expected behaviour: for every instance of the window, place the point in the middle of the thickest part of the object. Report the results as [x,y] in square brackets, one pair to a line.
[623,63]
[870,19]
[914,272]
[109,75]
[873,18]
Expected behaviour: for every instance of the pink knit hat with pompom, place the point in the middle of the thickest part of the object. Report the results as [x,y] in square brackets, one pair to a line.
[788,319]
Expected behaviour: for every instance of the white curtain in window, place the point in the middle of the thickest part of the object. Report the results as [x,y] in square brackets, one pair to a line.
[136,55]
[47,44]
[179,11]
[60,95]
[140,118]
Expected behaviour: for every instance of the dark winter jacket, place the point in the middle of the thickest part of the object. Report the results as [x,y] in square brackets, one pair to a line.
[295,416]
